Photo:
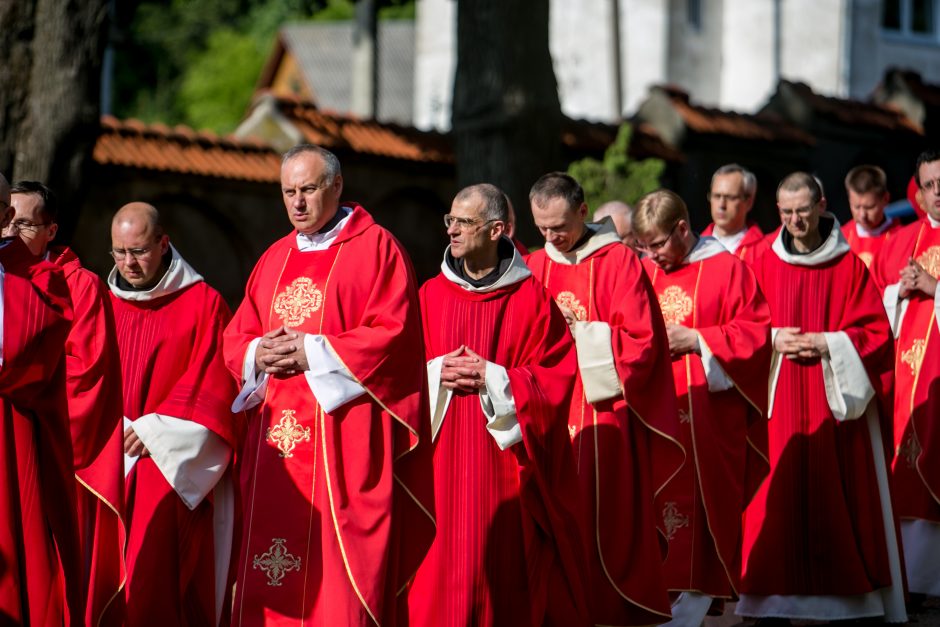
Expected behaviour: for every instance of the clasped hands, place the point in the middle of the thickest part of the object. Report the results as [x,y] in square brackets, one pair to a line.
[915,279]
[281,352]
[463,371]
[682,340]
[798,346]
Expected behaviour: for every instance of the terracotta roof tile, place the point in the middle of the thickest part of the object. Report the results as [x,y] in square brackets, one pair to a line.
[131,143]
[852,112]
[705,120]
[586,137]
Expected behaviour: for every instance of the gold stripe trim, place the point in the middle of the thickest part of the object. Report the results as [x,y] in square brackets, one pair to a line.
[313,488]
[104,609]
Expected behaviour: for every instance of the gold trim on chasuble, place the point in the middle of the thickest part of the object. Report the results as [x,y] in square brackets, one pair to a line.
[276,562]
[299,300]
[914,356]
[675,304]
[929,260]
[287,433]
[673,520]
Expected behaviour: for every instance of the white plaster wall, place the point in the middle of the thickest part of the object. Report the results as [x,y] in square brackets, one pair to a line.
[747,54]
[435,62]
[645,44]
[695,53]
[814,46]
[582,54]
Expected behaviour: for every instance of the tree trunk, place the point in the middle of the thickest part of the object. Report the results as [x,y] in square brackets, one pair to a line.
[506,111]
[50,92]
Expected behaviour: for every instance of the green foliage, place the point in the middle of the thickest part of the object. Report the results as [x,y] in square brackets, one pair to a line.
[197,63]
[618,176]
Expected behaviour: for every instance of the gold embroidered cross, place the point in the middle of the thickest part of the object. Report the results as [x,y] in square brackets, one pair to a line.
[675,304]
[287,433]
[673,520]
[910,449]
[914,356]
[276,562]
[929,260]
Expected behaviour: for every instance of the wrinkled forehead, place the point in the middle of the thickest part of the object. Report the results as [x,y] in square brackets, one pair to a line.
[307,167]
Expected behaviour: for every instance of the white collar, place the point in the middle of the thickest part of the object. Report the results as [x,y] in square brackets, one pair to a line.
[517,271]
[933,223]
[178,276]
[877,231]
[731,242]
[705,248]
[604,233]
[835,246]
[322,241]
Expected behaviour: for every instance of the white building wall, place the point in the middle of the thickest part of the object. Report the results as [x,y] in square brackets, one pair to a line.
[644,40]
[814,34]
[748,76]
[435,62]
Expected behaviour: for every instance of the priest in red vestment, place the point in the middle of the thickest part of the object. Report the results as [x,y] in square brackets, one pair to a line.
[180,433]
[336,474]
[501,366]
[907,270]
[730,198]
[93,378]
[718,325]
[624,423]
[820,536]
[40,567]
[869,228]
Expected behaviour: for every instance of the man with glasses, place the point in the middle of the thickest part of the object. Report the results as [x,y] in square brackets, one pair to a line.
[730,198]
[337,468]
[93,380]
[718,326]
[907,269]
[501,365]
[819,539]
[180,434]
[40,581]
[623,420]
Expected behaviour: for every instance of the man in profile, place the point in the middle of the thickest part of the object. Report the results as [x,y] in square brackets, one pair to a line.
[93,379]
[337,468]
[730,199]
[621,214]
[179,434]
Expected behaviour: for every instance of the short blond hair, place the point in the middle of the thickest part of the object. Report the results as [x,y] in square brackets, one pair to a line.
[661,209]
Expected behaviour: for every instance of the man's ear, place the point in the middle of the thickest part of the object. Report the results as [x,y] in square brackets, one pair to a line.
[583,210]
[498,230]
[338,185]
[53,229]
[164,243]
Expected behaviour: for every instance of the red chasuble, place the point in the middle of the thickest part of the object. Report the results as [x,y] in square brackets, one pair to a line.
[626,448]
[725,432]
[866,248]
[917,377]
[171,359]
[816,525]
[338,506]
[751,247]
[93,380]
[40,569]
[508,549]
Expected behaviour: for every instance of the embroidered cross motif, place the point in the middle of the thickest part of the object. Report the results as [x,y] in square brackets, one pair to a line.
[569,301]
[572,431]
[914,356]
[675,304]
[929,260]
[684,417]
[298,301]
[673,520]
[287,433]
[276,562]
[910,449]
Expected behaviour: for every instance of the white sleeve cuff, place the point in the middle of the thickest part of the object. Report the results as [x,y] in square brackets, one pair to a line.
[848,388]
[253,385]
[775,362]
[596,361]
[329,380]
[499,407]
[718,380]
[936,311]
[128,460]
[894,307]
[191,457]
[439,402]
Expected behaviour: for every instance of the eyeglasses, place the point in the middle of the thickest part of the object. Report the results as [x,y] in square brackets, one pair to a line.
[931,186]
[726,197]
[654,246]
[463,223]
[26,225]
[120,253]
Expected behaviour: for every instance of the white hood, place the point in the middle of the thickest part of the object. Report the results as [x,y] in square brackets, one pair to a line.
[178,276]
[835,246]
[517,271]
[604,234]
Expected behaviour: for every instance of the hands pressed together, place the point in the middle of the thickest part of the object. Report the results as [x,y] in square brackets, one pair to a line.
[915,279]
[463,371]
[682,340]
[800,346]
[281,352]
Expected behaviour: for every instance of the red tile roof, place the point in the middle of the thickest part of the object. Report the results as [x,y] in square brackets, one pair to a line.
[581,136]
[340,131]
[131,143]
[705,120]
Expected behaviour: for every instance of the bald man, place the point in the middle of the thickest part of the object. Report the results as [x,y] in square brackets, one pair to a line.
[179,430]
[621,214]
